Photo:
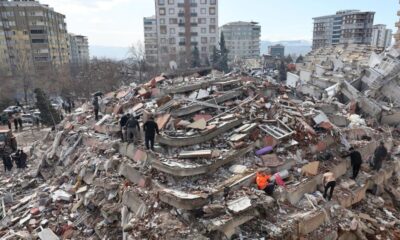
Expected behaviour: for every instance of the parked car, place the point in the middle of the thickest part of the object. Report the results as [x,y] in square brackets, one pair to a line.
[28,118]
[13,109]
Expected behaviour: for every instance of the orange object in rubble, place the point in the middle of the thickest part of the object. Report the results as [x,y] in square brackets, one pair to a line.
[262,180]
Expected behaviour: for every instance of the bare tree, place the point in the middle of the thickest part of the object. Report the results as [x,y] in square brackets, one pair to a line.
[24,69]
[137,59]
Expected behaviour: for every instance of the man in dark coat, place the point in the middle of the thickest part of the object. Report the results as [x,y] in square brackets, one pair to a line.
[122,122]
[380,154]
[356,161]
[150,129]
[131,125]
[96,107]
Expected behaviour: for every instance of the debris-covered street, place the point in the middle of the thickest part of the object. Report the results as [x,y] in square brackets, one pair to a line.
[218,134]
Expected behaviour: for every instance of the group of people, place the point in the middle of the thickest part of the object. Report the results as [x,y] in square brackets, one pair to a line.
[130,130]
[329,178]
[19,158]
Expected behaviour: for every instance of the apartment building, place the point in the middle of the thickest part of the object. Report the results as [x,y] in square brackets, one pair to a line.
[181,25]
[79,50]
[150,40]
[381,36]
[277,50]
[242,39]
[349,26]
[397,34]
[32,36]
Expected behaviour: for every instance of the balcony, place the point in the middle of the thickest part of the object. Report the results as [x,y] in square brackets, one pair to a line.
[181,24]
[397,24]
[193,24]
[182,43]
[193,14]
[181,14]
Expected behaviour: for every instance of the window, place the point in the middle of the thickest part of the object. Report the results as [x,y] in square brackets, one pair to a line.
[212,29]
[204,30]
[202,21]
[171,11]
[212,20]
[172,40]
[213,2]
[161,2]
[203,11]
[162,11]
[203,40]
[212,11]
[213,40]
[38,41]
[163,29]
[173,21]
[163,40]
[203,1]
[170,1]
[162,21]
[172,30]
[22,13]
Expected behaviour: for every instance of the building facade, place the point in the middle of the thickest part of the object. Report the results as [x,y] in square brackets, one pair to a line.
[150,40]
[381,36]
[183,25]
[397,34]
[277,51]
[242,39]
[79,50]
[34,34]
[345,27]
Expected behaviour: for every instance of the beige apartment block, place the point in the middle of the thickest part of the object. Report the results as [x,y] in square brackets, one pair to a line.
[242,39]
[32,34]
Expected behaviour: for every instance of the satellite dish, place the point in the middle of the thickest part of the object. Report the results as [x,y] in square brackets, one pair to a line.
[173,66]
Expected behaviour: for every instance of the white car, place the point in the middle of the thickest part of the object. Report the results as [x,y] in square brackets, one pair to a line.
[13,109]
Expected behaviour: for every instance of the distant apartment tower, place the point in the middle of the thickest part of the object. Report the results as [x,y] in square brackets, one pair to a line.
[349,26]
[150,40]
[32,36]
[184,24]
[397,35]
[242,39]
[79,50]
[277,50]
[381,36]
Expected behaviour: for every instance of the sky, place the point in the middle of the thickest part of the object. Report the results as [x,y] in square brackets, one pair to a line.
[119,23]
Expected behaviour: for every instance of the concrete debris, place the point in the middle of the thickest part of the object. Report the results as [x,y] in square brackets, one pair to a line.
[217,133]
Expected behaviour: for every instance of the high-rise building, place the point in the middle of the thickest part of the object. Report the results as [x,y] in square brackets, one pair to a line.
[381,36]
[242,39]
[349,26]
[150,40]
[79,50]
[397,35]
[34,35]
[183,25]
[277,50]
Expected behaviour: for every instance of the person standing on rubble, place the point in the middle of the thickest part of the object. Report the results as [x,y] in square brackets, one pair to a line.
[356,161]
[131,125]
[329,181]
[380,154]
[122,122]
[96,107]
[150,129]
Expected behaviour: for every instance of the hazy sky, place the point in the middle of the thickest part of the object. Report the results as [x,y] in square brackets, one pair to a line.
[120,22]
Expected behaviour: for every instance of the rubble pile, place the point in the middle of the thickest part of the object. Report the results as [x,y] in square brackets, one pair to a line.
[217,132]
[358,74]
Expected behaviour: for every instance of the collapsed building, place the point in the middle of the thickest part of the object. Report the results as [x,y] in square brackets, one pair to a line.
[217,132]
[361,74]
